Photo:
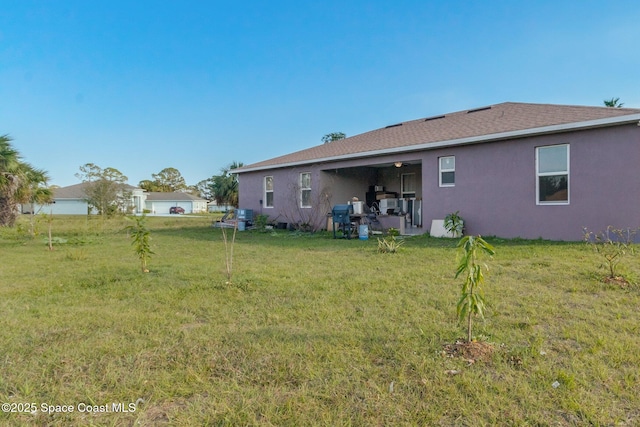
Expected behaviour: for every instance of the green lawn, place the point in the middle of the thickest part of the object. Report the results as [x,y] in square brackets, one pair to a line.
[312,331]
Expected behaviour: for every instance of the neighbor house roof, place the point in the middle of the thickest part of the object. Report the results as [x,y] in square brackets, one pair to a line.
[172,197]
[490,123]
[76,191]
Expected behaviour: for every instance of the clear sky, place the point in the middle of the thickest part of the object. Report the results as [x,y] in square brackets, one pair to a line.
[144,85]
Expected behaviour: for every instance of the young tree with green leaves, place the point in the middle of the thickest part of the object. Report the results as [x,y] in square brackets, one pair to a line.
[141,237]
[471,300]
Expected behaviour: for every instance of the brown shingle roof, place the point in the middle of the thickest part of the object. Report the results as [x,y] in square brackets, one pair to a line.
[493,120]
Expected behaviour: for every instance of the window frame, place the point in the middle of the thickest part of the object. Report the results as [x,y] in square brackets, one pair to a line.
[267,192]
[304,189]
[566,173]
[442,170]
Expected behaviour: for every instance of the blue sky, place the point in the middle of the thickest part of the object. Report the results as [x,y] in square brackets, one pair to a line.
[143,85]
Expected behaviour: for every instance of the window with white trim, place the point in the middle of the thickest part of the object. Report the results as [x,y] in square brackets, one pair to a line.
[305,190]
[552,175]
[268,191]
[447,168]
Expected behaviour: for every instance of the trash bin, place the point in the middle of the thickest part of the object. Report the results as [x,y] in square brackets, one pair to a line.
[242,225]
[363,232]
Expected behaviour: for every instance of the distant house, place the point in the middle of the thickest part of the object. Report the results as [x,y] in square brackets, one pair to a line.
[71,200]
[510,169]
[160,203]
[213,206]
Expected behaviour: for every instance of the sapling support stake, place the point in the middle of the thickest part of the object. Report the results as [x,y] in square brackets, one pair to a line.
[228,250]
[50,222]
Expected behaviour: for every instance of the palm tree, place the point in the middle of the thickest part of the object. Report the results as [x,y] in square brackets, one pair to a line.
[225,186]
[333,136]
[9,180]
[19,183]
[34,189]
[34,192]
[613,103]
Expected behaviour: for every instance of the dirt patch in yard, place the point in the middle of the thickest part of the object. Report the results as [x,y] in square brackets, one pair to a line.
[617,281]
[474,351]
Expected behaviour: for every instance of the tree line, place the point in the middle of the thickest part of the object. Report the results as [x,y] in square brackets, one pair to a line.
[108,192]
[223,188]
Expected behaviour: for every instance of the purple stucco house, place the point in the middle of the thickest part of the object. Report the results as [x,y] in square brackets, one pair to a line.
[510,169]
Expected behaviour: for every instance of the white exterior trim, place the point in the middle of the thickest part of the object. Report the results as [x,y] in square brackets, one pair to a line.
[303,189]
[538,175]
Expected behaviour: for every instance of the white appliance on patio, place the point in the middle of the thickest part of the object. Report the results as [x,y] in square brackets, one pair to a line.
[388,204]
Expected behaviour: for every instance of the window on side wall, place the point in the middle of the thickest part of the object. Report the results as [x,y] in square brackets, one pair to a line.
[268,191]
[552,175]
[305,190]
[447,171]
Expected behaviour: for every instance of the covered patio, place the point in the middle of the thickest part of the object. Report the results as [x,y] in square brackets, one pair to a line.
[393,191]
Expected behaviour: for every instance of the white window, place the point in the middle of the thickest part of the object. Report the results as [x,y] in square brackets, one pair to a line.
[305,190]
[447,171]
[552,175]
[268,191]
